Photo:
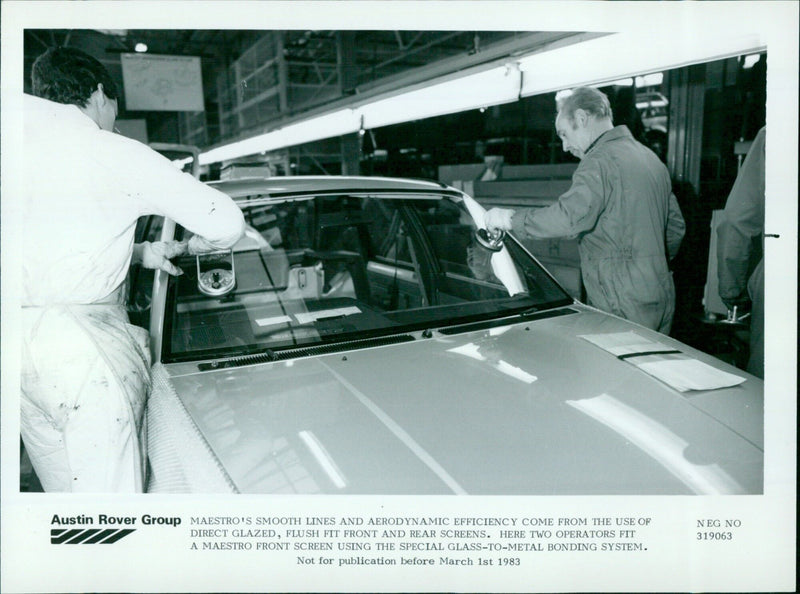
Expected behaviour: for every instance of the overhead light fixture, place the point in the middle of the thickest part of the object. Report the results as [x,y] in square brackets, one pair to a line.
[489,87]
[622,55]
[337,123]
[623,82]
[614,56]
[750,61]
[650,80]
[140,47]
[114,32]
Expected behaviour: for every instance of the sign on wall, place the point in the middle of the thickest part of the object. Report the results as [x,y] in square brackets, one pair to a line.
[162,83]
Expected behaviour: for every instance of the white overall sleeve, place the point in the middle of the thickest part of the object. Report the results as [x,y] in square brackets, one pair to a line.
[163,189]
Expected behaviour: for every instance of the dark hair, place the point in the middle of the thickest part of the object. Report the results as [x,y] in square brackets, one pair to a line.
[68,75]
[590,100]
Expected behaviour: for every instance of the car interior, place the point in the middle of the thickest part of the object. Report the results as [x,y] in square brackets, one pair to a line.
[342,268]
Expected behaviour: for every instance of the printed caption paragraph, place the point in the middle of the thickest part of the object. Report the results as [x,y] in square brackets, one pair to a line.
[420,540]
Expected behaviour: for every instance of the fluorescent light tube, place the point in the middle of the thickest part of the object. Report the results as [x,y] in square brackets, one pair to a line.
[491,87]
[622,55]
[337,123]
[592,62]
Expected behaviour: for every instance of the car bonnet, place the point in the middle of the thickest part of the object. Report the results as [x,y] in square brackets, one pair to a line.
[528,408]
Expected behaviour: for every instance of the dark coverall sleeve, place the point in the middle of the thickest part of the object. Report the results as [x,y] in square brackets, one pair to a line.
[676,227]
[576,211]
[742,223]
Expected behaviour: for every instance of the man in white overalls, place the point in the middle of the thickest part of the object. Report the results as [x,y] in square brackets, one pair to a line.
[85,368]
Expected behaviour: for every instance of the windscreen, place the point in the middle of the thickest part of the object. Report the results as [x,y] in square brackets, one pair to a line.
[312,271]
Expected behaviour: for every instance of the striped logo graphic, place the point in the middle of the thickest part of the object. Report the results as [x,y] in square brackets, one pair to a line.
[88,535]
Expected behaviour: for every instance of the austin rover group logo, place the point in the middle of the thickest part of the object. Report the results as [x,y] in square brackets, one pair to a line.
[107,533]
[88,535]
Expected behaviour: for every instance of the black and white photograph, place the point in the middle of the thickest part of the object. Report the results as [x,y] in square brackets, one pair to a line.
[399,296]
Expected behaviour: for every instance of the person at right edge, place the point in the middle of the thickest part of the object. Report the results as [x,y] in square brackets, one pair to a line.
[740,233]
[620,207]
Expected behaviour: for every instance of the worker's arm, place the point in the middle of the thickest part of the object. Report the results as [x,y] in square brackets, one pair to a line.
[676,227]
[216,221]
[742,223]
[161,188]
[576,211]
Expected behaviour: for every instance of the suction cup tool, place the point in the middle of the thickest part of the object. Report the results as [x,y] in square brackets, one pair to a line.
[491,241]
[216,275]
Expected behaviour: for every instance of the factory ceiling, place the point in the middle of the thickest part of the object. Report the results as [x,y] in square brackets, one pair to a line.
[316,68]
[378,53]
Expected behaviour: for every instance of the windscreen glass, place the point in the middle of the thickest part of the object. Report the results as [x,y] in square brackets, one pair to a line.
[312,271]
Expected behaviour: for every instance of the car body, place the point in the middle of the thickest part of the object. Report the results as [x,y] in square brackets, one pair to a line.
[372,345]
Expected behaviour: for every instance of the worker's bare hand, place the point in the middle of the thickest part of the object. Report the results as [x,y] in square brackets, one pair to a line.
[156,255]
[198,245]
[498,219]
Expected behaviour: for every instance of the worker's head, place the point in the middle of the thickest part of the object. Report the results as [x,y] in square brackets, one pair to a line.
[68,75]
[583,115]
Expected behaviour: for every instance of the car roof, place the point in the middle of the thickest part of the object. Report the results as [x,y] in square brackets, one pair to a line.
[292,186]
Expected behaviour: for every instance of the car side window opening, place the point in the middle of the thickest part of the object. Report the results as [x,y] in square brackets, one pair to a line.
[139,282]
[343,268]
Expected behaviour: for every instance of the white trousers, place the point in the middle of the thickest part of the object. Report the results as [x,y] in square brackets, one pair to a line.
[85,378]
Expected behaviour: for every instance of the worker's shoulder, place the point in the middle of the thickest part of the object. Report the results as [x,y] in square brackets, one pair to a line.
[623,157]
[130,152]
[48,118]
[633,153]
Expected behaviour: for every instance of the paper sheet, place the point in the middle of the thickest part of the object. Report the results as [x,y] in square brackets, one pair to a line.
[625,343]
[313,316]
[677,370]
[273,321]
[690,374]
